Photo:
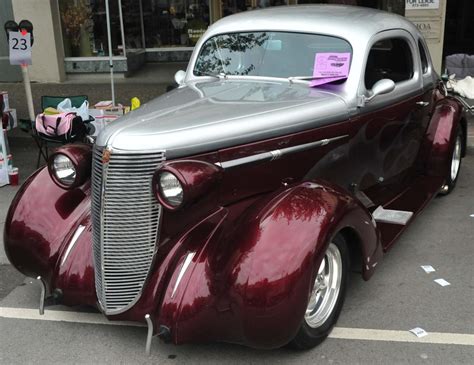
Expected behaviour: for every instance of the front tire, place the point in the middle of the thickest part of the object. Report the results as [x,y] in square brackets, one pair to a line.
[326,297]
[455,166]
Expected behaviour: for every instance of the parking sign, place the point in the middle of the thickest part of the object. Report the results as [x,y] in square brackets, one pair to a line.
[20,48]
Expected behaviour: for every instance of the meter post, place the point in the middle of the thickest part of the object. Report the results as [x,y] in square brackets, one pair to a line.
[20,40]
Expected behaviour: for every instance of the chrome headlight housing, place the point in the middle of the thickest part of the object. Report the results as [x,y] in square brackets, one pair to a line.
[64,170]
[170,189]
[70,166]
[177,184]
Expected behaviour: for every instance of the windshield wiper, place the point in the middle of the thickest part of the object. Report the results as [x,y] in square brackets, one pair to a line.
[303,78]
[292,79]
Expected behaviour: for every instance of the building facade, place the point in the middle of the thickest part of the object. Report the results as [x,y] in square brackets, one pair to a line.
[71,35]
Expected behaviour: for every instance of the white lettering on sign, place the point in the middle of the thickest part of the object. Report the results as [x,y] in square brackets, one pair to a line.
[422,4]
[20,48]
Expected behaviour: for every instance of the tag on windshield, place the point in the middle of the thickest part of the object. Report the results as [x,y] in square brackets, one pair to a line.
[329,67]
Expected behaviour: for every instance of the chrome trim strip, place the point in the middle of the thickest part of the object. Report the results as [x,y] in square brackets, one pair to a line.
[276,154]
[105,166]
[185,266]
[78,232]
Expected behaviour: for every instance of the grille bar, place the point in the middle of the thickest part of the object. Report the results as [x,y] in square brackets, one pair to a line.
[125,220]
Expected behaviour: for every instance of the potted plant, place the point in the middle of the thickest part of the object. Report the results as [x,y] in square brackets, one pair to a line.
[77,21]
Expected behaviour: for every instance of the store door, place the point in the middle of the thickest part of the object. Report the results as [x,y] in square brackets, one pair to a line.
[8,73]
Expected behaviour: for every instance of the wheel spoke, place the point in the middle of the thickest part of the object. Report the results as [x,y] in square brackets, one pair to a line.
[326,288]
[456,159]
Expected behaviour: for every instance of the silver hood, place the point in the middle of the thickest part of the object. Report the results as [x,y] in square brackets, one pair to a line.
[206,116]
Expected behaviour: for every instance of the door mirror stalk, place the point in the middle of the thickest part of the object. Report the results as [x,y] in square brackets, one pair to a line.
[383,86]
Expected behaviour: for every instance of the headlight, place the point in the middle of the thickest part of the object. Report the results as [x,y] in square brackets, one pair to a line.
[70,165]
[171,189]
[181,183]
[64,169]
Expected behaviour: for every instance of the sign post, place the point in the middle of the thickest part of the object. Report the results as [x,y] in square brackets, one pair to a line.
[20,41]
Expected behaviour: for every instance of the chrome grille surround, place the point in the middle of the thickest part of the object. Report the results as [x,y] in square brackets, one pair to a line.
[125,221]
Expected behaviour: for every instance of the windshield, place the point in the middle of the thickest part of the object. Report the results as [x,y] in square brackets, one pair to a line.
[271,54]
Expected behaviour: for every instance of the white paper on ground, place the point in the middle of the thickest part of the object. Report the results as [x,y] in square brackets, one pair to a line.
[419,332]
[442,282]
[428,268]
[472,216]
[391,216]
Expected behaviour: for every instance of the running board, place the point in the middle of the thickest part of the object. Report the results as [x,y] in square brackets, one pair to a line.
[391,216]
[411,202]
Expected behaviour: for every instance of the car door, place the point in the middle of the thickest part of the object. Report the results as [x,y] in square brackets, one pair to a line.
[389,126]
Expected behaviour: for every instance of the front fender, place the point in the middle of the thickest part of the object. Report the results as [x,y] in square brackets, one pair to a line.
[279,249]
[41,221]
[252,286]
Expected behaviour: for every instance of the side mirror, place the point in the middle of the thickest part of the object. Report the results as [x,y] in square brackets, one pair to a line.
[383,86]
[179,77]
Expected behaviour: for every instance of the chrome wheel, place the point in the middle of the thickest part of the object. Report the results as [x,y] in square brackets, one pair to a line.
[456,161]
[326,288]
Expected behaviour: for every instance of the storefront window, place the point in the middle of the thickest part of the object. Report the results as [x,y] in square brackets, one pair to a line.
[171,23]
[84,28]
[230,7]
[158,23]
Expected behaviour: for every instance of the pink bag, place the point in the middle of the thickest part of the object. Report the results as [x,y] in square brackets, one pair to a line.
[55,125]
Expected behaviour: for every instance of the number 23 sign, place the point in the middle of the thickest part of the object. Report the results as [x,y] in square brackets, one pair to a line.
[20,48]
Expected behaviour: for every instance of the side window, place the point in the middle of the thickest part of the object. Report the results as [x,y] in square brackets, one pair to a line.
[424,59]
[390,58]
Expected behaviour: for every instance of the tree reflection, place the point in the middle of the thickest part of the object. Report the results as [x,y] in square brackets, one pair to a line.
[221,52]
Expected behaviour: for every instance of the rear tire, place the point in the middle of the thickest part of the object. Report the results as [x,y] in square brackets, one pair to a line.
[326,297]
[455,166]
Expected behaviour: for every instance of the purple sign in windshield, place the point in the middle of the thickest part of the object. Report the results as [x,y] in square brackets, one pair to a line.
[330,67]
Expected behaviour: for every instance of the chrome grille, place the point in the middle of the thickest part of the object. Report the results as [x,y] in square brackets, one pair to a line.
[125,220]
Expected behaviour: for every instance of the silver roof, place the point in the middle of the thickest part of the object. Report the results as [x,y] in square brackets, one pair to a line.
[354,23]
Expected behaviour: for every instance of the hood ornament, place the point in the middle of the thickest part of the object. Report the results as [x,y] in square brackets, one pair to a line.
[106,156]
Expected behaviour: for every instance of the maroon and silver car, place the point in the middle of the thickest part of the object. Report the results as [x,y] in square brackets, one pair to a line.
[233,207]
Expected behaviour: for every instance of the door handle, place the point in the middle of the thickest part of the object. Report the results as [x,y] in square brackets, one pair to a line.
[422,103]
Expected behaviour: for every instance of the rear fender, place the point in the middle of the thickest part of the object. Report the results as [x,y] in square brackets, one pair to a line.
[440,137]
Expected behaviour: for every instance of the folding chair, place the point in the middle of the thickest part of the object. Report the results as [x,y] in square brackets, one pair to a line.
[461,65]
[43,141]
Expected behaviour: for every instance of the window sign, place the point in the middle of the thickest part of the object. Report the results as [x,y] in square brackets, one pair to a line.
[329,67]
[429,27]
[20,48]
[421,4]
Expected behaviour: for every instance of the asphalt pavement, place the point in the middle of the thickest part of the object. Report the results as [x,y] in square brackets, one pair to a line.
[373,327]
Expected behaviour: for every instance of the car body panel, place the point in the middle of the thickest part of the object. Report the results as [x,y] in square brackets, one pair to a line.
[210,115]
[273,171]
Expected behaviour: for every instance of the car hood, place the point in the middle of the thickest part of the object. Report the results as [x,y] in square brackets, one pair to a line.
[207,116]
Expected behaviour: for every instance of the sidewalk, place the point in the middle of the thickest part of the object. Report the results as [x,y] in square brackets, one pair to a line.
[146,84]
